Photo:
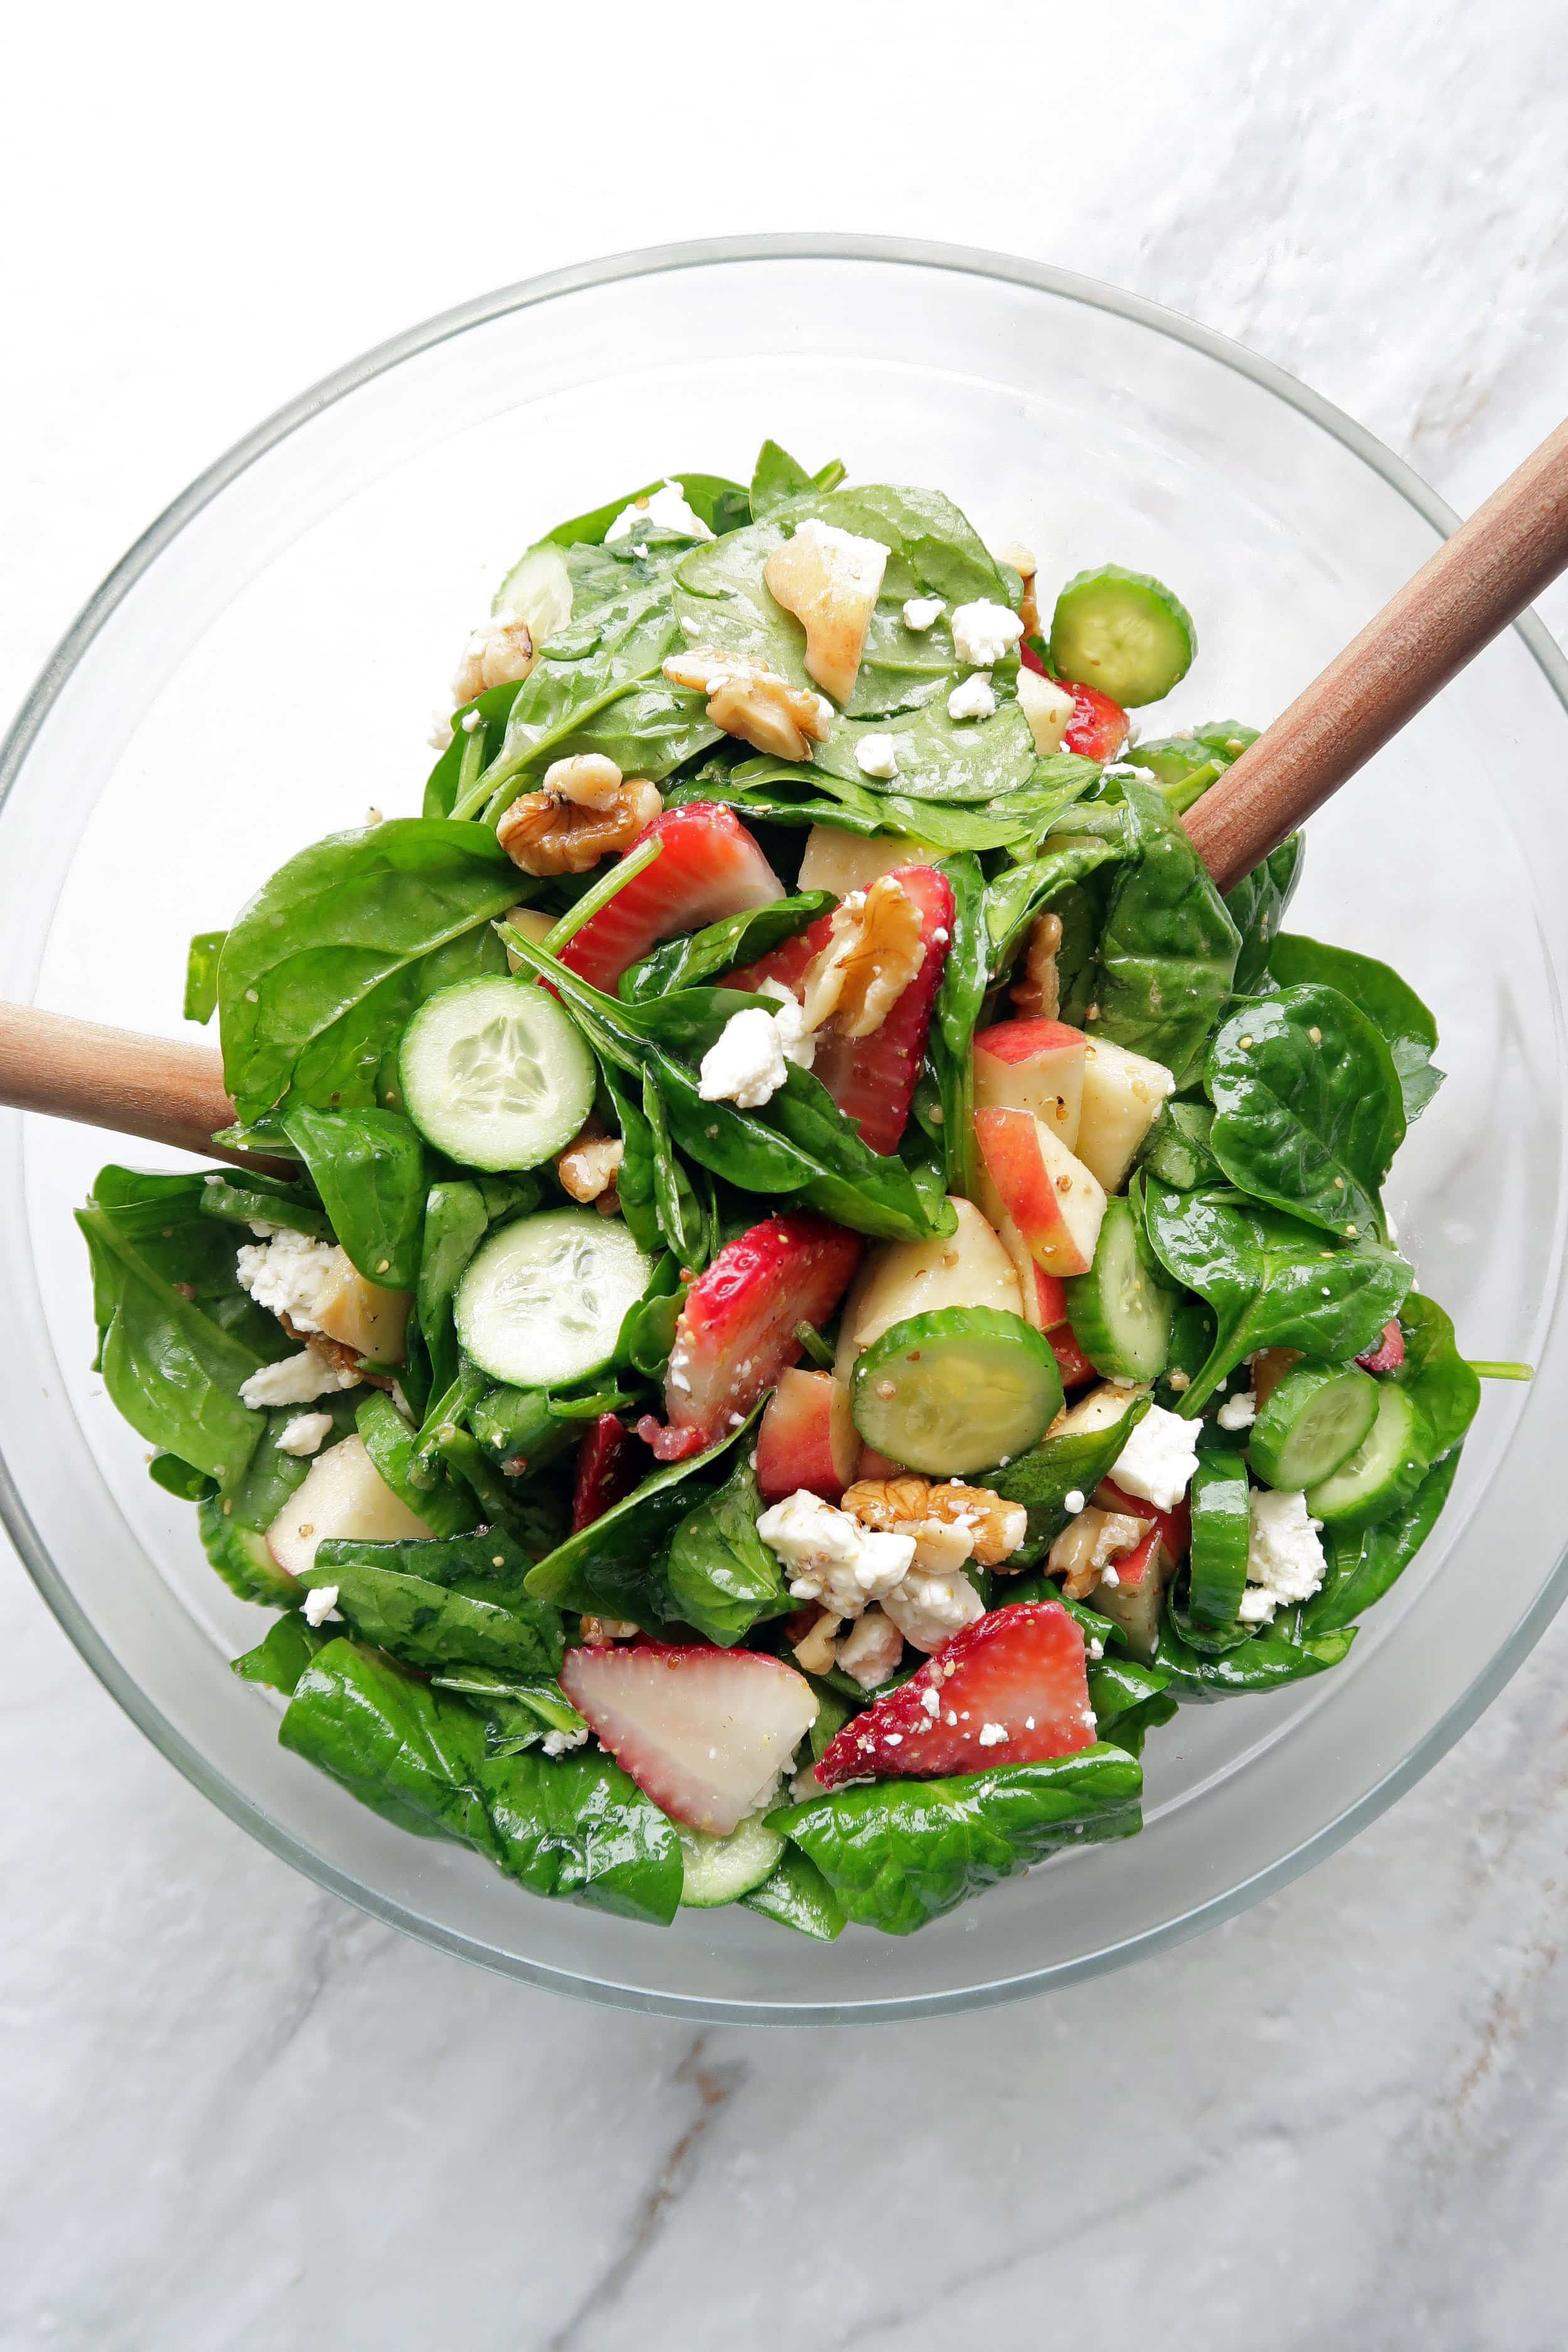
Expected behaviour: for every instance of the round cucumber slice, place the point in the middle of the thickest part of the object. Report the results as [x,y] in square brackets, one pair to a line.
[1120,1315]
[544,1300]
[722,1869]
[1221,1527]
[1122,633]
[1312,1423]
[956,1389]
[1382,1474]
[495,1073]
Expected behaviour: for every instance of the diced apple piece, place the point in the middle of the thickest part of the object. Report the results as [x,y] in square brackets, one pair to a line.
[1034,1065]
[534,924]
[968,1268]
[842,862]
[873,1465]
[829,579]
[1135,1601]
[1045,1294]
[1098,1410]
[1122,1096]
[804,1440]
[1270,1367]
[362,1316]
[1052,1198]
[1047,707]
[342,1495]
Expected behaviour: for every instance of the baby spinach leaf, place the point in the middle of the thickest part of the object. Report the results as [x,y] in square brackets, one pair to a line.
[1129,1700]
[1441,1385]
[447,1509]
[798,795]
[943,553]
[480,1557]
[578,1827]
[721,1576]
[518,1423]
[1257,907]
[648,730]
[181,1479]
[1176,1147]
[1407,1025]
[647,1335]
[281,1659]
[242,1202]
[611,1568]
[1363,1565]
[201,975]
[519,1710]
[1275,1655]
[455,1223]
[635,1181]
[457,1621]
[533,1510]
[939,758]
[797,1895]
[699,956]
[703,493]
[681,1220]
[1167,955]
[1271,1281]
[333,953]
[1043,1478]
[369,1168]
[163,1221]
[898,1854]
[778,477]
[1308,1112]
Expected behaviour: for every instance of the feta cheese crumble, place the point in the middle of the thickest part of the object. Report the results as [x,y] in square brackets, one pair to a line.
[830,1557]
[877,755]
[799,1043]
[1238,1412]
[923,613]
[973,699]
[297,1379]
[1158,1459]
[929,1610]
[984,632]
[322,1603]
[561,1743]
[305,1432]
[1284,1557]
[1073,1503]
[991,1735]
[871,1649]
[292,1275]
[666,509]
[745,1063]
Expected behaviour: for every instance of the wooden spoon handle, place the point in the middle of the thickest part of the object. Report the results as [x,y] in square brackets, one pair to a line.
[155,1087]
[1477,582]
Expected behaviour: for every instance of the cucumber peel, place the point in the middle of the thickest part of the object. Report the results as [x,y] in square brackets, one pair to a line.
[956,1389]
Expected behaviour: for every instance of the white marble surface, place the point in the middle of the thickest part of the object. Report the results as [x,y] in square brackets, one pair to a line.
[236,2114]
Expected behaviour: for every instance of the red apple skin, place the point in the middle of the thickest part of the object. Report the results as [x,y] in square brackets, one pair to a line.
[1035,1066]
[1018,1152]
[796,1440]
[1174,1528]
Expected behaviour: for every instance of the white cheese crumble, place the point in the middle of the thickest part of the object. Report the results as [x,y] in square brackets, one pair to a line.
[871,1649]
[561,1743]
[973,699]
[1284,1557]
[745,1063]
[929,1610]
[991,1735]
[923,613]
[1073,1503]
[984,632]
[877,755]
[666,509]
[799,1043]
[305,1432]
[830,1557]
[1238,1412]
[1158,1459]
[292,1275]
[322,1603]
[297,1379]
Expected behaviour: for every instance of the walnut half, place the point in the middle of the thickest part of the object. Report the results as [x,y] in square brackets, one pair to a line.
[588,1167]
[992,1527]
[1038,994]
[545,832]
[875,947]
[753,702]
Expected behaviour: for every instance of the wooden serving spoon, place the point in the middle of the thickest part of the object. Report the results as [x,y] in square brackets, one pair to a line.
[1462,597]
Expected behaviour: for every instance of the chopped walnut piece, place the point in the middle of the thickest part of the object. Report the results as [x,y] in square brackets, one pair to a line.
[874,950]
[1089,1543]
[992,1527]
[599,1632]
[501,650]
[589,781]
[754,703]
[587,1167]
[546,835]
[814,1654]
[1039,993]
[341,1357]
[1023,563]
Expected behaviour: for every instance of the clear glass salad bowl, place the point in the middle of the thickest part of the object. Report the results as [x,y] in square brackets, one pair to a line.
[263,664]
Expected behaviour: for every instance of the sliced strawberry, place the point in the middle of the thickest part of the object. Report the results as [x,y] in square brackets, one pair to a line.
[1174,1528]
[1031,659]
[1389,1352]
[708,867]
[1071,1362]
[703,1732]
[736,1333]
[1098,728]
[1021,1669]
[802,1440]
[872,1079]
[607,1470]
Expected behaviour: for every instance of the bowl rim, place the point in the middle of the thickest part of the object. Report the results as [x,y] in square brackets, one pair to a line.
[576,278]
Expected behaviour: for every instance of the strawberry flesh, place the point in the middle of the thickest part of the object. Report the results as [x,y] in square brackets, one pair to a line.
[1020,1670]
[1098,728]
[737,1330]
[708,866]
[1388,1354]
[605,1473]
[872,1079]
[703,1732]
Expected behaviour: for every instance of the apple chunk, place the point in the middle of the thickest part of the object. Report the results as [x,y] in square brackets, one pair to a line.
[830,580]
[968,1267]
[1033,1065]
[360,1315]
[842,862]
[805,1441]
[1045,1294]
[343,1494]
[1051,1197]
[1122,1096]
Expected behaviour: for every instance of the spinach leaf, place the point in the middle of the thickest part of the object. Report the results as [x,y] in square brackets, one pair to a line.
[463,1621]
[520,1711]
[699,956]
[1271,1281]
[577,1827]
[613,1568]
[950,1117]
[648,730]
[163,1222]
[1362,1566]
[201,975]
[1059,1466]
[1176,1147]
[447,1509]
[1441,1385]
[778,477]
[786,795]
[369,1168]
[1257,907]
[939,758]
[1167,955]
[898,1854]
[636,1186]
[1129,1700]
[181,1479]
[1015,898]
[943,553]
[1407,1025]
[281,1658]
[456,1220]
[324,966]
[241,1201]
[1308,1112]
[708,494]
[682,1224]
[721,1576]
[647,1335]
[533,1510]
[797,1895]
[1275,1654]
[518,1425]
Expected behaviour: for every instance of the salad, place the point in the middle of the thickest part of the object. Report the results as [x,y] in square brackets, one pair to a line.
[807,1280]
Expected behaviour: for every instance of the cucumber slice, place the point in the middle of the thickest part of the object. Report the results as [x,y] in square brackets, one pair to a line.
[1312,1423]
[1383,1472]
[543,1300]
[722,1869]
[1120,1315]
[1221,1527]
[495,1074]
[538,587]
[1122,633]
[956,1389]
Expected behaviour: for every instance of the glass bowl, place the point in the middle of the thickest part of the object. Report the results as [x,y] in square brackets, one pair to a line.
[263,665]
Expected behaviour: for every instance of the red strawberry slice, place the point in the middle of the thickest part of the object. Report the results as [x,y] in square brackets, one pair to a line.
[1174,1528]
[1071,1362]
[1031,659]
[1098,728]
[736,1333]
[804,1440]
[872,1079]
[703,1732]
[1389,1352]
[1020,1670]
[607,1470]
[708,867]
